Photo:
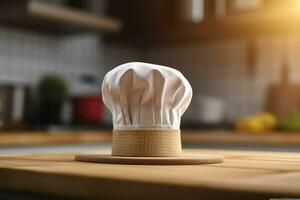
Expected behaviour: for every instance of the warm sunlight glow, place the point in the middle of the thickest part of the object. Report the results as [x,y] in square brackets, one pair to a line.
[296,5]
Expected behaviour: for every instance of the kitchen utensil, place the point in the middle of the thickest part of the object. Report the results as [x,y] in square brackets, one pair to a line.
[284,97]
[210,110]
[12,100]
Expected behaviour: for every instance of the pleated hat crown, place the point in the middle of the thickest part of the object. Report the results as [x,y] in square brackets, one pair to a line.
[146,96]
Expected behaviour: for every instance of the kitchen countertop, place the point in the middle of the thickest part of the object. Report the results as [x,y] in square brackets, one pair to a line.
[40,138]
[243,175]
[222,137]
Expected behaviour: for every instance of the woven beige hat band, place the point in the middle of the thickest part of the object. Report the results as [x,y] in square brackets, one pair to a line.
[146,143]
[144,127]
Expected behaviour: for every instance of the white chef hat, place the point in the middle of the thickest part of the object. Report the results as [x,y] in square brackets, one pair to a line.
[144,96]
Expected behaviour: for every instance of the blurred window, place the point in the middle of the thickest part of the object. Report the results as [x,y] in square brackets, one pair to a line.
[240,5]
[193,10]
[197,10]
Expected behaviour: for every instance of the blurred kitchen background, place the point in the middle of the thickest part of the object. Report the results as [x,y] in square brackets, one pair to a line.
[241,57]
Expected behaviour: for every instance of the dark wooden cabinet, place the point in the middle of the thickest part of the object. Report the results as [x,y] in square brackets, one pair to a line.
[148,22]
[143,20]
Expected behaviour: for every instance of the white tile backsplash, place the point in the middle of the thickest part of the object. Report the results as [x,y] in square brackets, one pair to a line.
[26,56]
[219,69]
[216,69]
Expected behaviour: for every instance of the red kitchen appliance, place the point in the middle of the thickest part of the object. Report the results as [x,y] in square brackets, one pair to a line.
[88,109]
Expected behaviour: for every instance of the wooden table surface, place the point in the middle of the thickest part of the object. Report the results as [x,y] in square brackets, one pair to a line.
[243,175]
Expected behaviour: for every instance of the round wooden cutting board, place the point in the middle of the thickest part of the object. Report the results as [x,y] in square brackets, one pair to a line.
[180,160]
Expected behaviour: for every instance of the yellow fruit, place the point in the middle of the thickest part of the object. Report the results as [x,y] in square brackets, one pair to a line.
[252,124]
[268,120]
[256,123]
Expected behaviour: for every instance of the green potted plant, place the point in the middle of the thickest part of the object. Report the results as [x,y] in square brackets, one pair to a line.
[52,92]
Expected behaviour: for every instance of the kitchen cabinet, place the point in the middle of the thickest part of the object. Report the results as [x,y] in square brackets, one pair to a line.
[152,23]
[57,17]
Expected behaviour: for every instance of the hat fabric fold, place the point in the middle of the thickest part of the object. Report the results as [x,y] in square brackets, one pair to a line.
[144,96]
